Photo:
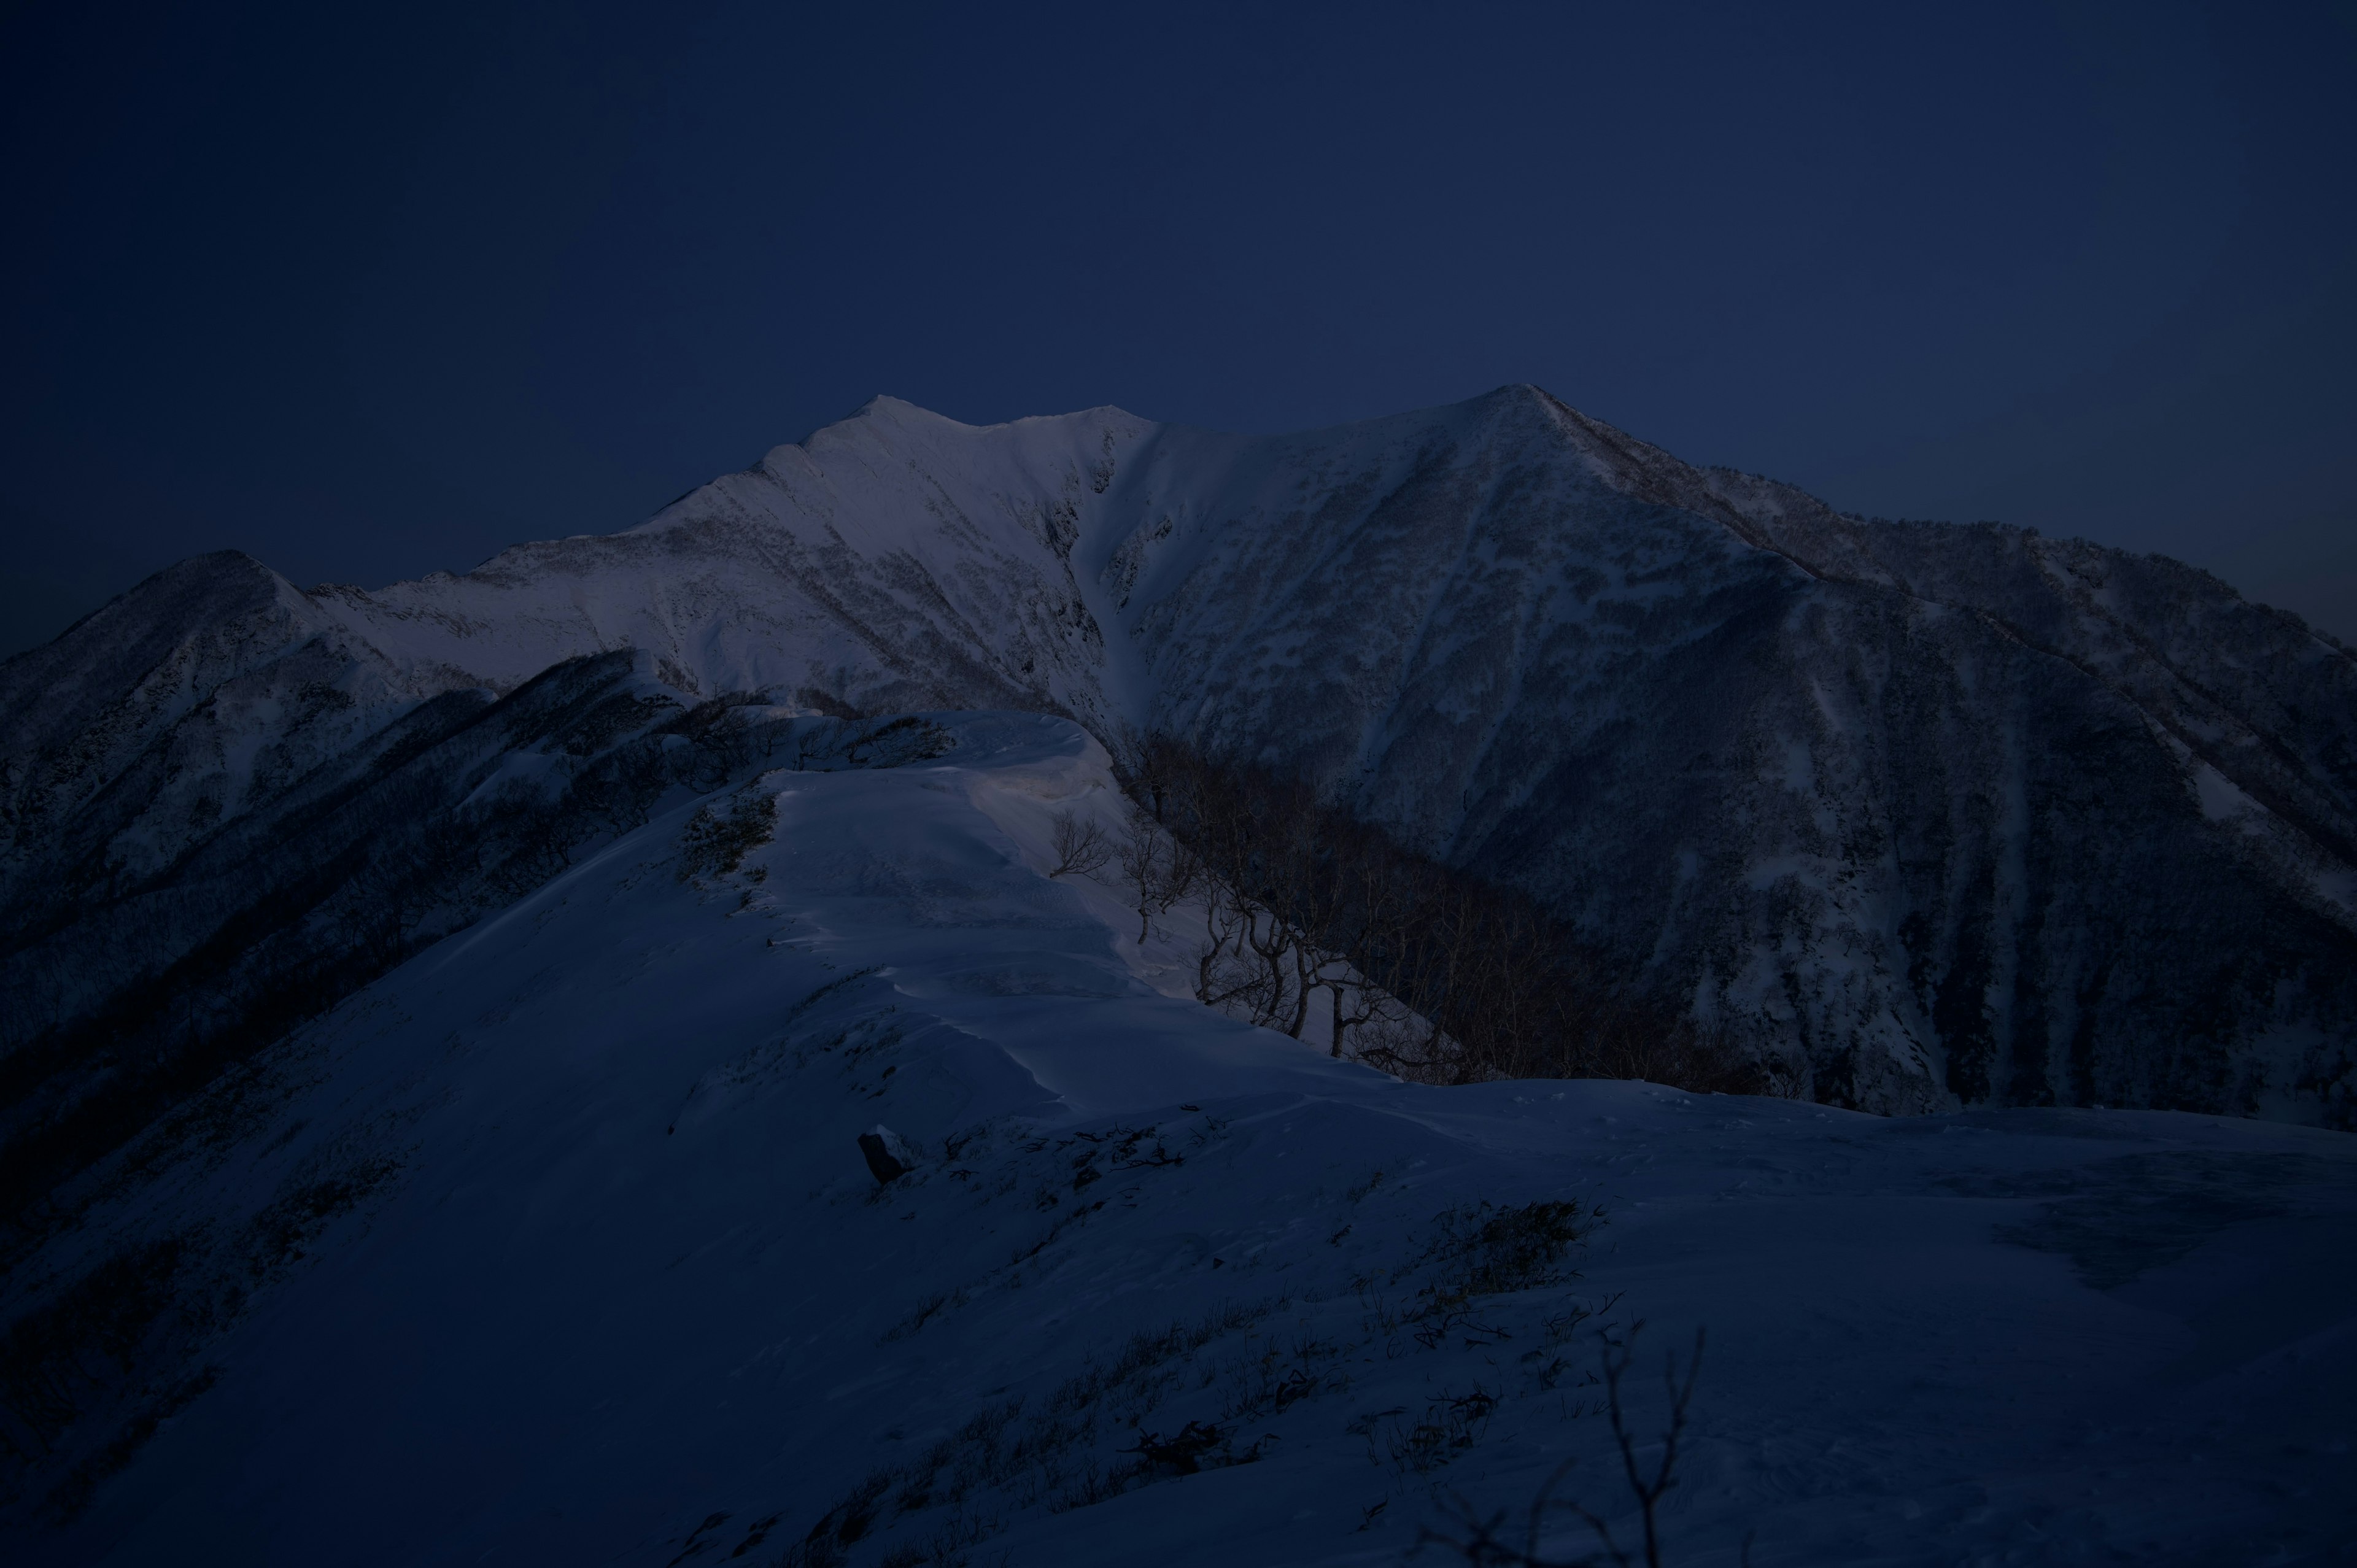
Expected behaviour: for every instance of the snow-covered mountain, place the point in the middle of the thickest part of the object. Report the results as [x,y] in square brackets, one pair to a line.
[557,1245]
[1927,815]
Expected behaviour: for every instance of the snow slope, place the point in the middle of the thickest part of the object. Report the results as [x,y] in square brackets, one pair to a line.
[1927,815]
[575,1259]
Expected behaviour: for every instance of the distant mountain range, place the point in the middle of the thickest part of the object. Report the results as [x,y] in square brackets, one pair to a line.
[1923,814]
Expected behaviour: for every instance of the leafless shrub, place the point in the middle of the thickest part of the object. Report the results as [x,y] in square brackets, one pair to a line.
[1480,1540]
[1277,1376]
[1488,1250]
[1014,1454]
[1447,1427]
[1198,1446]
[849,1520]
[1485,1251]
[723,832]
[925,1312]
[1082,848]
[54,1359]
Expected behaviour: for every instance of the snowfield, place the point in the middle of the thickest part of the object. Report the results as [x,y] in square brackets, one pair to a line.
[578,1260]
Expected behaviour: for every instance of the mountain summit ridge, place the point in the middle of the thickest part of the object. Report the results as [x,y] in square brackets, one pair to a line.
[1924,814]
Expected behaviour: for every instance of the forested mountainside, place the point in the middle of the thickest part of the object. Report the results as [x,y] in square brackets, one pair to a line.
[1923,814]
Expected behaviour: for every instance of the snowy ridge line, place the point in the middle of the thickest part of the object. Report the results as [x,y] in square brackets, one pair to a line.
[1820,777]
[359,866]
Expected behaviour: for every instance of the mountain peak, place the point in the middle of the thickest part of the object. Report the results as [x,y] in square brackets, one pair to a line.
[51,690]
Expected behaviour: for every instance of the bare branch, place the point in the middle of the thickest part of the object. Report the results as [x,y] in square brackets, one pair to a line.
[1082,848]
[1482,1541]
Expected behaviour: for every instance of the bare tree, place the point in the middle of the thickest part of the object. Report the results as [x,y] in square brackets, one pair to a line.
[1228,971]
[1157,869]
[1429,972]
[1082,846]
[1147,765]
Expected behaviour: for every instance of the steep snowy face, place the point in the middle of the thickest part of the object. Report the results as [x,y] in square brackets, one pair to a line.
[894,562]
[1926,814]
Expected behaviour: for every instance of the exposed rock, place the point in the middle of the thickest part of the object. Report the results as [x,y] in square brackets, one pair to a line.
[890,1155]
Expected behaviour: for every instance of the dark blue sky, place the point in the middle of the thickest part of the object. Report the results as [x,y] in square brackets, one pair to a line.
[369,291]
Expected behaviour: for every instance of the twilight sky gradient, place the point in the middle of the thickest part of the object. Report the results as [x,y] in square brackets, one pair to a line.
[370,290]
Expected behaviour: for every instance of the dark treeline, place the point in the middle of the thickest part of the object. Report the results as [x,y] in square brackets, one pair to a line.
[1406,963]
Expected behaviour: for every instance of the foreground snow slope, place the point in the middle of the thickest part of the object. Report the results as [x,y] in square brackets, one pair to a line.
[606,1280]
[1927,815]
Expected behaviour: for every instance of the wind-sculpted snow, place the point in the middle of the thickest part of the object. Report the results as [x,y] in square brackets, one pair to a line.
[1925,815]
[556,1244]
